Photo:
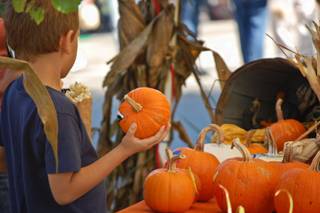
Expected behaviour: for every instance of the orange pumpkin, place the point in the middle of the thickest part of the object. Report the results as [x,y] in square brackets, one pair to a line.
[170,189]
[284,130]
[248,182]
[146,107]
[303,185]
[203,164]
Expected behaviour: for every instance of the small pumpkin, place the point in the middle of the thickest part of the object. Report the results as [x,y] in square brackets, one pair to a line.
[303,185]
[284,130]
[170,189]
[146,107]
[248,182]
[203,164]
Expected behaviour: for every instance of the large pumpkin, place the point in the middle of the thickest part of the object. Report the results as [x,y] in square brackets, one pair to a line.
[170,189]
[248,182]
[203,164]
[146,107]
[303,185]
[285,130]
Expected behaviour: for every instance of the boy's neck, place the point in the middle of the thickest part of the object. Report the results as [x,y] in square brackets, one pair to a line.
[48,67]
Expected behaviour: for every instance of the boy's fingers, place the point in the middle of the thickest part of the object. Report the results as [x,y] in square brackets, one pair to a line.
[155,138]
[132,130]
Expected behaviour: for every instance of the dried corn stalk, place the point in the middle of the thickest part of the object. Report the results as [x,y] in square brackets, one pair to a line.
[309,66]
[152,48]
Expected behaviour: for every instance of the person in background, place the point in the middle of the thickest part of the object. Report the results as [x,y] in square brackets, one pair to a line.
[251,17]
[289,19]
[190,13]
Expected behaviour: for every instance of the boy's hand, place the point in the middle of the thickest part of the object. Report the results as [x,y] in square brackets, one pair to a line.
[131,145]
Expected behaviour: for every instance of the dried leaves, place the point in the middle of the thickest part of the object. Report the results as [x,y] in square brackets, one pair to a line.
[41,98]
[309,66]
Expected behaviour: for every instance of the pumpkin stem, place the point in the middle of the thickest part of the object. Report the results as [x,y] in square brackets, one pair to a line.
[193,180]
[172,160]
[243,149]
[315,163]
[227,197]
[289,196]
[272,145]
[135,105]
[279,109]
[202,136]
[240,209]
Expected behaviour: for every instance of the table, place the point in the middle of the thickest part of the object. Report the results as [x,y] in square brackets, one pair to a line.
[141,207]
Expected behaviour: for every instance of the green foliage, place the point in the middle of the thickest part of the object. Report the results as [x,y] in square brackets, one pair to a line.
[37,14]
[66,6]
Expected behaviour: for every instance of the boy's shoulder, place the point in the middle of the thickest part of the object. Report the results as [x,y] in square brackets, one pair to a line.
[17,93]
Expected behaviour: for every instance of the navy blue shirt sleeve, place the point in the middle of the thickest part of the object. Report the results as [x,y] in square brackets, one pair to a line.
[69,146]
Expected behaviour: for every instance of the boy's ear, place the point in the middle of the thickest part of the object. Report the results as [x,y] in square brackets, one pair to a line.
[67,41]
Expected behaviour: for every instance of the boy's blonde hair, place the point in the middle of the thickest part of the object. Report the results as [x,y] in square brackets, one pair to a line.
[28,39]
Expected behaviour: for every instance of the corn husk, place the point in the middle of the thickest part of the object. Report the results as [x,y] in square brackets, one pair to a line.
[81,96]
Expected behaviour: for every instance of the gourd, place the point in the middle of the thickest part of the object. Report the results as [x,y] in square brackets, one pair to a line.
[203,164]
[284,130]
[303,185]
[146,107]
[232,131]
[219,149]
[170,189]
[248,182]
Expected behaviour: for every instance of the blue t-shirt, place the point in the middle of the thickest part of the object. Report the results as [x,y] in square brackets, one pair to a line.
[30,157]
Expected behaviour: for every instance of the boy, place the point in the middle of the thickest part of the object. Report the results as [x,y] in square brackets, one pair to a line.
[34,184]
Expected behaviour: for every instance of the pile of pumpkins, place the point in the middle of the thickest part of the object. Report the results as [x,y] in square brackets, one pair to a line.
[197,176]
[192,175]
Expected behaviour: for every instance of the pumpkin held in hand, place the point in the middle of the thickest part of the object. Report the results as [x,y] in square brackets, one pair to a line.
[170,189]
[146,107]
[303,185]
[248,182]
[285,130]
[203,164]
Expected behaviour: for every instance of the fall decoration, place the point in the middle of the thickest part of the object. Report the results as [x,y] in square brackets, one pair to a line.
[303,185]
[81,96]
[232,131]
[170,189]
[245,179]
[156,52]
[203,164]
[284,130]
[146,107]
[219,149]
[303,150]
